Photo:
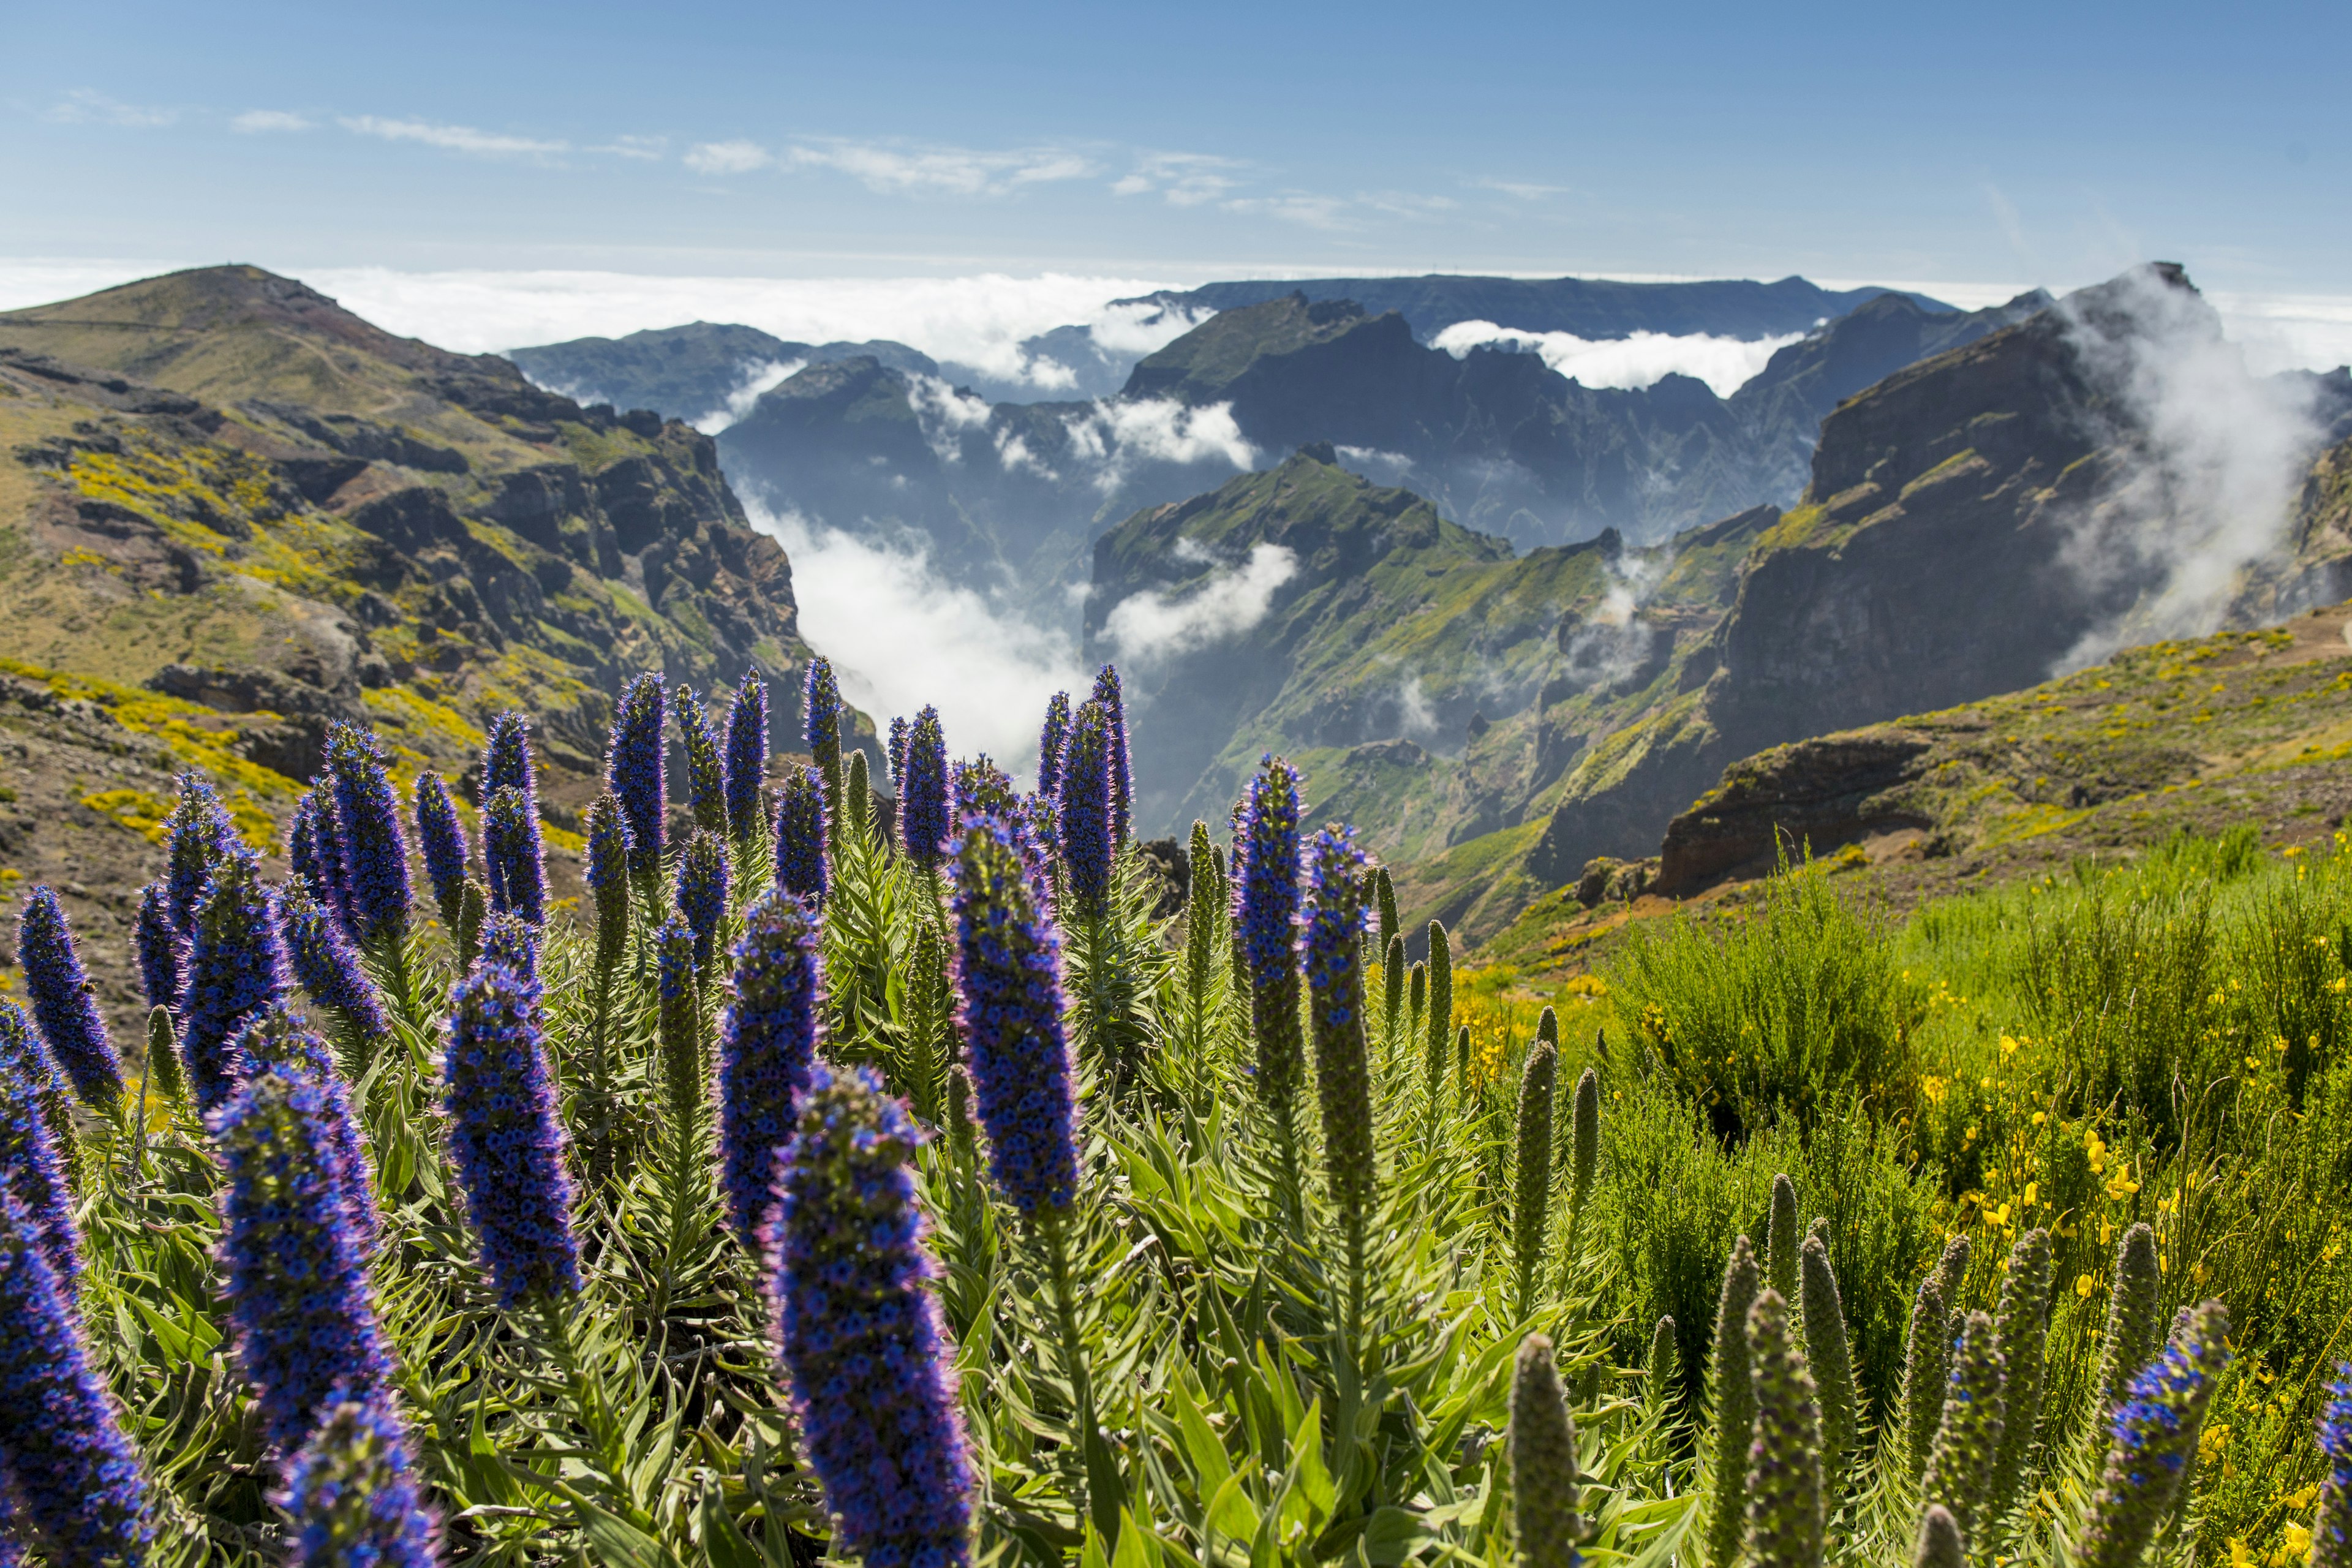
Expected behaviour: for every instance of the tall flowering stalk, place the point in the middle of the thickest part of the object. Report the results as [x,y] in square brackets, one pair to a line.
[279,1041]
[1970,1434]
[354,1494]
[295,1270]
[1113,702]
[2132,1331]
[1939,1541]
[871,1368]
[1265,920]
[1543,1460]
[923,792]
[897,748]
[30,1166]
[306,848]
[236,967]
[706,769]
[21,1044]
[324,964]
[1583,1157]
[821,731]
[65,1002]
[78,1476]
[1926,1360]
[197,833]
[702,893]
[747,766]
[2154,1442]
[1438,1020]
[1392,973]
[156,947]
[506,1138]
[1531,1192]
[767,1042]
[1051,738]
[1781,1239]
[1083,826]
[163,1056]
[375,850]
[679,1029]
[634,772]
[1735,1407]
[800,835]
[1830,1354]
[1663,1366]
[510,854]
[441,844]
[2023,1321]
[1785,1505]
[1331,947]
[2331,1527]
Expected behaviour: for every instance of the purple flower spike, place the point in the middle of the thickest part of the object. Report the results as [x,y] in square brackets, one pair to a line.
[871,1373]
[1122,768]
[800,835]
[441,841]
[1009,979]
[1050,741]
[200,832]
[608,876]
[161,973]
[706,771]
[821,715]
[506,758]
[633,770]
[702,892]
[277,1041]
[29,1166]
[77,1477]
[506,1138]
[747,757]
[236,967]
[2155,1442]
[295,1272]
[2331,1530]
[923,794]
[767,1038]
[355,1495]
[65,1004]
[1266,844]
[1084,830]
[324,963]
[898,754]
[510,849]
[1332,945]
[375,850]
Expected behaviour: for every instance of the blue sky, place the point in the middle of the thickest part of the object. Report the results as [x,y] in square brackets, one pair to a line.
[1998,142]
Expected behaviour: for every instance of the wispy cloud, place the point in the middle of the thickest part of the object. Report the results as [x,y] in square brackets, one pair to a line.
[1518,190]
[260,121]
[87,106]
[941,171]
[1184,179]
[737,157]
[454,138]
[1298,208]
[646,148]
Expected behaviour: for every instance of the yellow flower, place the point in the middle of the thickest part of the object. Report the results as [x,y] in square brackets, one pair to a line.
[2240,1557]
[2298,1540]
[2086,1285]
[2032,1193]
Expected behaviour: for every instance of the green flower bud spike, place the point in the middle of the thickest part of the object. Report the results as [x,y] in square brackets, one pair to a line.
[1781,1239]
[2024,1324]
[2131,1338]
[1830,1354]
[1926,1361]
[1543,1461]
[1785,1515]
[1970,1434]
[1531,1196]
[1734,1409]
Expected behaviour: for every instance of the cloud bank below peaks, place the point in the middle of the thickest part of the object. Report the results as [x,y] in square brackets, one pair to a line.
[1626,364]
[1152,625]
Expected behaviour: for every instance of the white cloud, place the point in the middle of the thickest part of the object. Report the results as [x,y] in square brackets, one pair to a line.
[1119,435]
[1311,211]
[940,171]
[1142,329]
[86,106]
[2289,331]
[644,148]
[727,157]
[1183,179]
[757,379]
[900,635]
[256,121]
[453,138]
[944,414]
[1519,190]
[1638,361]
[1155,626]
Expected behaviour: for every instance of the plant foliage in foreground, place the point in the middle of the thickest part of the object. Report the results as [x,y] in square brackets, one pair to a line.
[917,1197]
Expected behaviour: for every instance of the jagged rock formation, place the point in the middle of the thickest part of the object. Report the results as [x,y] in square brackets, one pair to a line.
[700,372]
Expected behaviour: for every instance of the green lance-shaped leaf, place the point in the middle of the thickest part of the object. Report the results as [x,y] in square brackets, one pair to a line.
[1781,1239]
[2131,1337]
[1664,1362]
[2023,1321]
[1531,1196]
[163,1056]
[2154,1448]
[1926,1361]
[1440,1015]
[1735,1407]
[1970,1434]
[1785,1513]
[1939,1541]
[1543,1460]
[1830,1353]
